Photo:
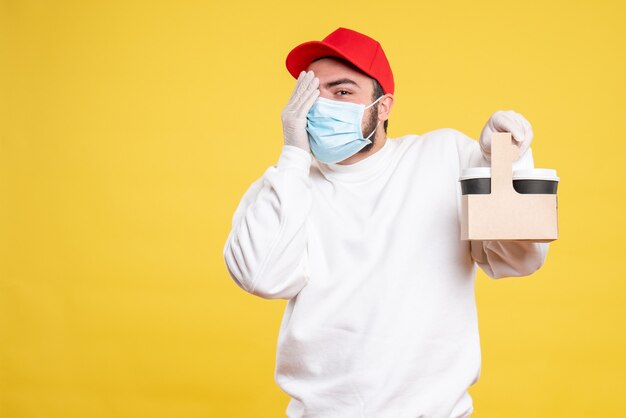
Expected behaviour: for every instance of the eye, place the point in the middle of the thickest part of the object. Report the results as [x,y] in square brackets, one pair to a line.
[342,92]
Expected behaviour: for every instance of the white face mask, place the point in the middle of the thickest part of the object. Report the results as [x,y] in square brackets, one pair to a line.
[334,129]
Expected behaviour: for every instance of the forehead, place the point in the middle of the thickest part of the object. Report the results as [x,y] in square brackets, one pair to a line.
[329,69]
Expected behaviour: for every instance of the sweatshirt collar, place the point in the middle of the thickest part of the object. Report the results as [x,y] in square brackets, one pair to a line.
[361,170]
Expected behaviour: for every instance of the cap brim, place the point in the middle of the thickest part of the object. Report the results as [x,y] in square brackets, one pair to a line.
[304,54]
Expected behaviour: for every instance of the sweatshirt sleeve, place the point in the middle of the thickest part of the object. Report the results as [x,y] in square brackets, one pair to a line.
[500,259]
[265,252]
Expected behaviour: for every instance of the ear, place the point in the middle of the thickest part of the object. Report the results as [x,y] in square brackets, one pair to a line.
[384,107]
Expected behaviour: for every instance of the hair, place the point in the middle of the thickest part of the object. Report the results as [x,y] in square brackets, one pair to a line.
[378,89]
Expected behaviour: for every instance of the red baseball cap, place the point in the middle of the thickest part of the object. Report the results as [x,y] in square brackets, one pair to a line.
[360,50]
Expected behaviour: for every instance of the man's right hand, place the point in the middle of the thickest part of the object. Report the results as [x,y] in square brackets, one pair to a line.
[294,115]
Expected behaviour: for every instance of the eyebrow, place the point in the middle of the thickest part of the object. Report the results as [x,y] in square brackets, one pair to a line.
[339,82]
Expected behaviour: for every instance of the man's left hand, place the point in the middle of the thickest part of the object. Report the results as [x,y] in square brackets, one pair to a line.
[506,121]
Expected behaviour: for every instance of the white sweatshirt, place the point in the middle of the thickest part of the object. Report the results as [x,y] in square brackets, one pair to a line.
[381,319]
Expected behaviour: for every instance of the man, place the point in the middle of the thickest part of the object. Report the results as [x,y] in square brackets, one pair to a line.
[363,239]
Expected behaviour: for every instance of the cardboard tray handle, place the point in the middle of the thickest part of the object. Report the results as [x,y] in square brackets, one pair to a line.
[504,151]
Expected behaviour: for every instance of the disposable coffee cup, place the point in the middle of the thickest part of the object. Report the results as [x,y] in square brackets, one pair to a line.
[535,181]
[476,180]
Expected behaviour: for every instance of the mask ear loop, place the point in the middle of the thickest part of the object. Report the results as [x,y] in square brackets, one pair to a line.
[370,105]
[373,103]
[368,137]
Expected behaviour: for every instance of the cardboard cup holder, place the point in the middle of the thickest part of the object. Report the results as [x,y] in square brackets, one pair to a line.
[499,204]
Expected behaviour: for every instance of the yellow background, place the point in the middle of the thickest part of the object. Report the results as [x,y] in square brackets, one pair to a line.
[129,130]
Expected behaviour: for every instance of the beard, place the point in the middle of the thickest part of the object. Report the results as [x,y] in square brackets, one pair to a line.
[372,121]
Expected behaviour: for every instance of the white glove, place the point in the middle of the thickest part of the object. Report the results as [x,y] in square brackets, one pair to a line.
[506,121]
[294,115]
